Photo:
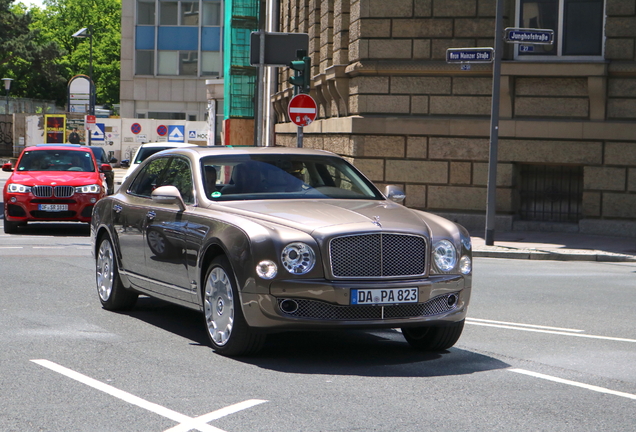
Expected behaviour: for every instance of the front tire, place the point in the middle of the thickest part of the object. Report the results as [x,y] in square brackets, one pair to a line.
[112,293]
[225,323]
[434,338]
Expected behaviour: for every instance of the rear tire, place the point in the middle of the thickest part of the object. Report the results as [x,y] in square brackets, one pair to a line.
[225,324]
[434,338]
[112,293]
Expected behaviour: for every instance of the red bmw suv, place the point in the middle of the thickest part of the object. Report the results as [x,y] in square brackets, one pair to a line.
[52,183]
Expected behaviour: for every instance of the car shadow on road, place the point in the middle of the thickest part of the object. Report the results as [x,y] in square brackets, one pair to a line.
[379,353]
[57,229]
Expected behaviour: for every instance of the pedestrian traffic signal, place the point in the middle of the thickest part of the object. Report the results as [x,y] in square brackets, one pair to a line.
[302,71]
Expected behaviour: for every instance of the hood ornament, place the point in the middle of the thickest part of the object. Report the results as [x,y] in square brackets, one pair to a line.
[376,221]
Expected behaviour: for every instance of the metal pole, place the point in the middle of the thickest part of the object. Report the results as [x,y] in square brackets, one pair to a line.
[494,129]
[91,101]
[261,87]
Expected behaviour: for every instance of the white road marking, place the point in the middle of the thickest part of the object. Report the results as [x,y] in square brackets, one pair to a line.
[615,339]
[574,383]
[11,247]
[189,423]
[184,427]
[524,325]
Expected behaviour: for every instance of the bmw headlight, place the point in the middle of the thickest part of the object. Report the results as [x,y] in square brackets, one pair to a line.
[94,188]
[444,255]
[298,258]
[18,188]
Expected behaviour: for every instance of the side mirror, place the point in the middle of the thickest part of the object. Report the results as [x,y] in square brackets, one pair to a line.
[7,167]
[168,195]
[394,193]
[105,168]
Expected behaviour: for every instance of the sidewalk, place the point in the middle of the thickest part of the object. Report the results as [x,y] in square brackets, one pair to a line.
[556,246]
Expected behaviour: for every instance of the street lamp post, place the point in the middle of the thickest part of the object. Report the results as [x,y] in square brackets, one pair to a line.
[7,86]
[87,32]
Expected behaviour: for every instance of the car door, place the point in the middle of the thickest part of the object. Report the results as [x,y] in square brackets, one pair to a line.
[165,233]
[129,220]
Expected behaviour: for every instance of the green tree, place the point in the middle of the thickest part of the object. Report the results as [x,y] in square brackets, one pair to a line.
[27,56]
[60,19]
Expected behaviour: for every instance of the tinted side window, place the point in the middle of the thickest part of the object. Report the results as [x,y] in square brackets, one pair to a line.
[148,177]
[179,174]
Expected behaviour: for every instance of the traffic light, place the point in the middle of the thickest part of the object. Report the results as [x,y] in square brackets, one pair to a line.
[302,73]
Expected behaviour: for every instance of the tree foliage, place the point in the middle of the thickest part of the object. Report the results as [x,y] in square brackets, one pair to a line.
[54,26]
[27,56]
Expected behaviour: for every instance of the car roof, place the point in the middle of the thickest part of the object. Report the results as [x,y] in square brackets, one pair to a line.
[73,147]
[167,144]
[202,151]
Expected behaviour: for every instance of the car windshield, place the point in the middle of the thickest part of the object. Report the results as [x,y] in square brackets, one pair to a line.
[145,152]
[56,160]
[280,176]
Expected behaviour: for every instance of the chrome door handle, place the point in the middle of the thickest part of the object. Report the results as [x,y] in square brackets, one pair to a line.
[151,215]
[117,208]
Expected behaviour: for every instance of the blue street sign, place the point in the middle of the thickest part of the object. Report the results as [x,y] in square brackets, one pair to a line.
[470,55]
[98,134]
[529,36]
[176,133]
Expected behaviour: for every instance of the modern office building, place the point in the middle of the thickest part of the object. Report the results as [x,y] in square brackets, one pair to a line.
[171,59]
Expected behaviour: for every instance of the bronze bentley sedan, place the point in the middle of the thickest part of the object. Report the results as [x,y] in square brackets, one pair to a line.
[266,239]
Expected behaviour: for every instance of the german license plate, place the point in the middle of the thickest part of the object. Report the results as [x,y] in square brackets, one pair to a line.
[384,296]
[53,207]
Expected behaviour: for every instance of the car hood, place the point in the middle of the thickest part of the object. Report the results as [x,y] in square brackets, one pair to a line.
[331,215]
[59,178]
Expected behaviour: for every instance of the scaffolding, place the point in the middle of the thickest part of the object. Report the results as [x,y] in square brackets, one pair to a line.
[241,19]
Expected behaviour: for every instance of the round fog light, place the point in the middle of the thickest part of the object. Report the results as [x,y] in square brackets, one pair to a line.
[93,200]
[13,199]
[465,264]
[266,269]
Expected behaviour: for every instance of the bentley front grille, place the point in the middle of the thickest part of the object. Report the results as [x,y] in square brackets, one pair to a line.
[49,191]
[312,309]
[378,255]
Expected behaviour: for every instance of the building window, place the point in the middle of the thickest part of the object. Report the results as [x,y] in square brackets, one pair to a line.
[188,61]
[211,63]
[189,13]
[211,13]
[168,13]
[167,62]
[166,115]
[146,12]
[144,62]
[578,27]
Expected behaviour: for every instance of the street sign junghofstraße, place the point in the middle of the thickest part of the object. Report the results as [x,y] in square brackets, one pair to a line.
[470,55]
[529,36]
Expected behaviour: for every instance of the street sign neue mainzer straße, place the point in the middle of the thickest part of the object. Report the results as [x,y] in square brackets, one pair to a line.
[469,55]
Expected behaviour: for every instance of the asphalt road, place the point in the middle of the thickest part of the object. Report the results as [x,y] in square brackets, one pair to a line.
[549,346]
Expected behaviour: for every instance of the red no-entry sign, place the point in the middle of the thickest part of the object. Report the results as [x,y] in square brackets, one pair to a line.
[302,110]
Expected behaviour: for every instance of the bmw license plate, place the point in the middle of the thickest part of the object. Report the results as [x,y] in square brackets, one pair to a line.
[53,207]
[384,296]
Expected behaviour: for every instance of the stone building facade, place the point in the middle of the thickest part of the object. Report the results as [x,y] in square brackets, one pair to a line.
[390,103]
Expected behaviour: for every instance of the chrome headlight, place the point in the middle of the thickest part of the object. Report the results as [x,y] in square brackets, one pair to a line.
[18,188]
[465,264]
[267,269]
[298,258]
[444,255]
[94,188]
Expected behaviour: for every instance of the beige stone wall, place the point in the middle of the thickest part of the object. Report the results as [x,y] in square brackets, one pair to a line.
[391,105]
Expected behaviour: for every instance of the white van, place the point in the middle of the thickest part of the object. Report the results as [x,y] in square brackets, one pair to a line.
[148,149]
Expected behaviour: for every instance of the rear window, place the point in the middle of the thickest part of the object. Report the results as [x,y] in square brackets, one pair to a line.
[145,152]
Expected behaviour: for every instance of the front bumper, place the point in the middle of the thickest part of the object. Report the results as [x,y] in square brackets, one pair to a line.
[324,304]
[26,207]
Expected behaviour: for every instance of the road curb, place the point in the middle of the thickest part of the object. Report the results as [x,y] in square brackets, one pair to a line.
[563,255]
